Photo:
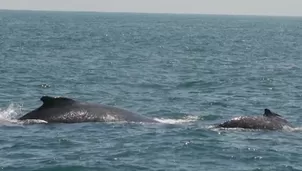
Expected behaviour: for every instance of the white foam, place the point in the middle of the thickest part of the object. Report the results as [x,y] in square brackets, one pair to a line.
[186,119]
[292,129]
[11,112]
[32,121]
[9,115]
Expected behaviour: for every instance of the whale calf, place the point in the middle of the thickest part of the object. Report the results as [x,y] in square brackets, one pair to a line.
[66,110]
[269,121]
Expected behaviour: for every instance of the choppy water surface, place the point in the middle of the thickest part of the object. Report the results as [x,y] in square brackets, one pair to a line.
[187,71]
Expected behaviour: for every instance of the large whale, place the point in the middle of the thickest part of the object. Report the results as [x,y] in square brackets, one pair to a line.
[269,121]
[66,110]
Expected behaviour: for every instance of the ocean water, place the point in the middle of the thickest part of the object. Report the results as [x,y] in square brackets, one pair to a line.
[187,71]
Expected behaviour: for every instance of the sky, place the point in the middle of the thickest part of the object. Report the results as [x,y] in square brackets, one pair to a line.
[232,7]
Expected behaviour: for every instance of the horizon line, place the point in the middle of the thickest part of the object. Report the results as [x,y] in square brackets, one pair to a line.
[138,12]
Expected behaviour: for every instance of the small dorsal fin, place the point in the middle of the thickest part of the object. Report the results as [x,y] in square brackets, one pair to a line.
[269,113]
[52,101]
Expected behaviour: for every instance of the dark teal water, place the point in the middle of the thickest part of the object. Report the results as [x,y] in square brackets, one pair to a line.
[188,71]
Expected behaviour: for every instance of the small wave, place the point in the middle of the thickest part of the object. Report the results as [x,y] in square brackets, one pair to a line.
[192,83]
[186,119]
[285,128]
[292,129]
[211,117]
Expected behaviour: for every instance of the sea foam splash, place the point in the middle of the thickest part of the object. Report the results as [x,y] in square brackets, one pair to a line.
[11,112]
[186,119]
[9,115]
[292,129]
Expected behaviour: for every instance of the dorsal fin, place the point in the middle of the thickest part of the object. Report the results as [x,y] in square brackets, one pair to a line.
[269,113]
[55,101]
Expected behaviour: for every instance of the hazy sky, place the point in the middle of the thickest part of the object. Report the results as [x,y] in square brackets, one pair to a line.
[258,7]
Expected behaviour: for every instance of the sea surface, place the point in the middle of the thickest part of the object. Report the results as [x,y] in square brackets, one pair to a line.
[189,72]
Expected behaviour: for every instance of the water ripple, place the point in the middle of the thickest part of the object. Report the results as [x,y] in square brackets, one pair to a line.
[187,71]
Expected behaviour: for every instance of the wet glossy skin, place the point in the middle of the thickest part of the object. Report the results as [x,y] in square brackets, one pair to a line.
[64,110]
[269,120]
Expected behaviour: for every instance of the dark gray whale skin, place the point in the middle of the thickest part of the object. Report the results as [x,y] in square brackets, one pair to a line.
[66,110]
[268,121]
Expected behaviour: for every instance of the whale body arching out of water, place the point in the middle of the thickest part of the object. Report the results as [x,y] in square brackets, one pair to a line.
[268,121]
[66,110]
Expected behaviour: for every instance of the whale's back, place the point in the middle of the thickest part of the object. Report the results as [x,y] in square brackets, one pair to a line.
[269,120]
[66,110]
[258,122]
